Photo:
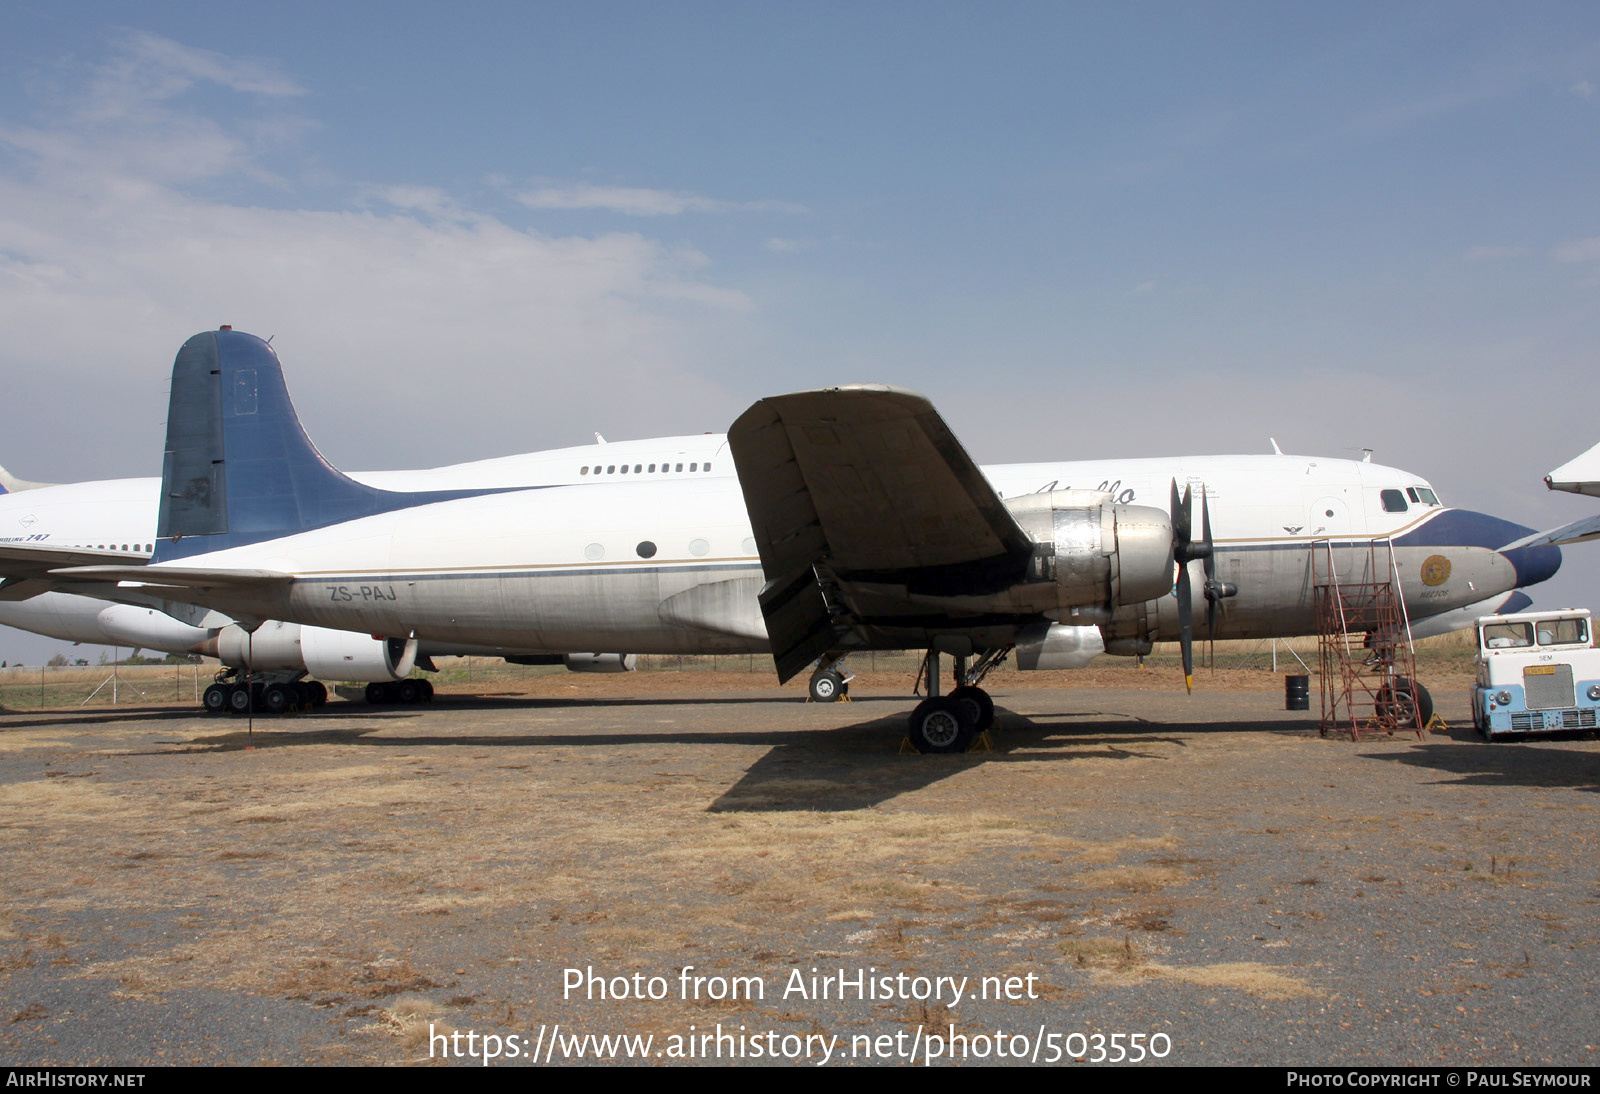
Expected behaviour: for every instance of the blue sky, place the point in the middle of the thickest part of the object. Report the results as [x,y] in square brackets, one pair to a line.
[1083,230]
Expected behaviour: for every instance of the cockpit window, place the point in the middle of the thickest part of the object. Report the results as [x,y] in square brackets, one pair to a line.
[1393,501]
[1422,495]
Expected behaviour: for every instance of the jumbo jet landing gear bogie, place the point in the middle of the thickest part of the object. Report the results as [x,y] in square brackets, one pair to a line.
[277,695]
[215,699]
[399,691]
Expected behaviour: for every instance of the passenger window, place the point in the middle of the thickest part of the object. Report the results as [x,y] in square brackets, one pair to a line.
[707,467]
[680,467]
[611,469]
[1393,501]
[636,468]
[583,470]
[692,466]
[652,469]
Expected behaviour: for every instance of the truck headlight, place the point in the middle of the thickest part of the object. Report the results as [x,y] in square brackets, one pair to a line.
[1594,692]
[1503,698]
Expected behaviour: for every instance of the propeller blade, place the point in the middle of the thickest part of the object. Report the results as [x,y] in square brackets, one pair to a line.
[1185,627]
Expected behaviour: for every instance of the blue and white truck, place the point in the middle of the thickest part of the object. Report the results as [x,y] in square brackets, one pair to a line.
[1538,672]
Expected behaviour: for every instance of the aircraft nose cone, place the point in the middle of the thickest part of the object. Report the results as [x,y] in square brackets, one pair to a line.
[1534,564]
[1464,528]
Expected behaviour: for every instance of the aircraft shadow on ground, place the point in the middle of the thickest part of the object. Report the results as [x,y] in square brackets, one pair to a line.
[831,770]
[1511,764]
[24,720]
[856,768]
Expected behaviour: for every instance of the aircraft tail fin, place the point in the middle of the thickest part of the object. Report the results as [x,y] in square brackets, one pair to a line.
[239,467]
[10,484]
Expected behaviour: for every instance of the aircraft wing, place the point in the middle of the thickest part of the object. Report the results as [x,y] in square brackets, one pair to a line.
[191,579]
[24,568]
[863,485]
[1579,531]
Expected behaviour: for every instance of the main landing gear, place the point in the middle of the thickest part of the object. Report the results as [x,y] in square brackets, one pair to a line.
[400,691]
[952,722]
[231,695]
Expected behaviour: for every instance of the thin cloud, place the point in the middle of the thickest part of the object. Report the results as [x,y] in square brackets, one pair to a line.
[1579,250]
[640,202]
[1485,254]
[408,308]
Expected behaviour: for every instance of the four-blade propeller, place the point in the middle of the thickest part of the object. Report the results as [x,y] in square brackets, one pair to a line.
[1185,550]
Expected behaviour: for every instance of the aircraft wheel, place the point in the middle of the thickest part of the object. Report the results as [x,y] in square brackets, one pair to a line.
[239,699]
[426,689]
[1394,701]
[317,691]
[979,706]
[379,692]
[941,725]
[826,686]
[215,699]
[407,692]
[1424,703]
[276,699]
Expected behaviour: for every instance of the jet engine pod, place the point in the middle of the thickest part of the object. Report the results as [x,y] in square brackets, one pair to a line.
[1097,552]
[345,655]
[602,662]
[329,654]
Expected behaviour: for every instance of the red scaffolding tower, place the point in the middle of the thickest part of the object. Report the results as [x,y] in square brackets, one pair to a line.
[1369,664]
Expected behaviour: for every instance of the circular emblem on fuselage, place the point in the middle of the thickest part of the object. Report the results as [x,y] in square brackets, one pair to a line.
[1435,570]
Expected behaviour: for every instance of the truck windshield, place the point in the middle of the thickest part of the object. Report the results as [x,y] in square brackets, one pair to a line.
[1507,636]
[1562,632]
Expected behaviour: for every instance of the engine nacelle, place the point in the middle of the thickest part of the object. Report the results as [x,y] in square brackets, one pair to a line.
[146,628]
[1057,646]
[325,653]
[602,662]
[1100,555]
[579,662]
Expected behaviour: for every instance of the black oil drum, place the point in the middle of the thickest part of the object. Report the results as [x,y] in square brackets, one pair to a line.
[1297,693]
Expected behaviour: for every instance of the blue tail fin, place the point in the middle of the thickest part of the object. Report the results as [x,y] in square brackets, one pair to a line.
[239,467]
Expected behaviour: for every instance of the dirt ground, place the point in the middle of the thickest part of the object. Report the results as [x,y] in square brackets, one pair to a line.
[1205,872]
